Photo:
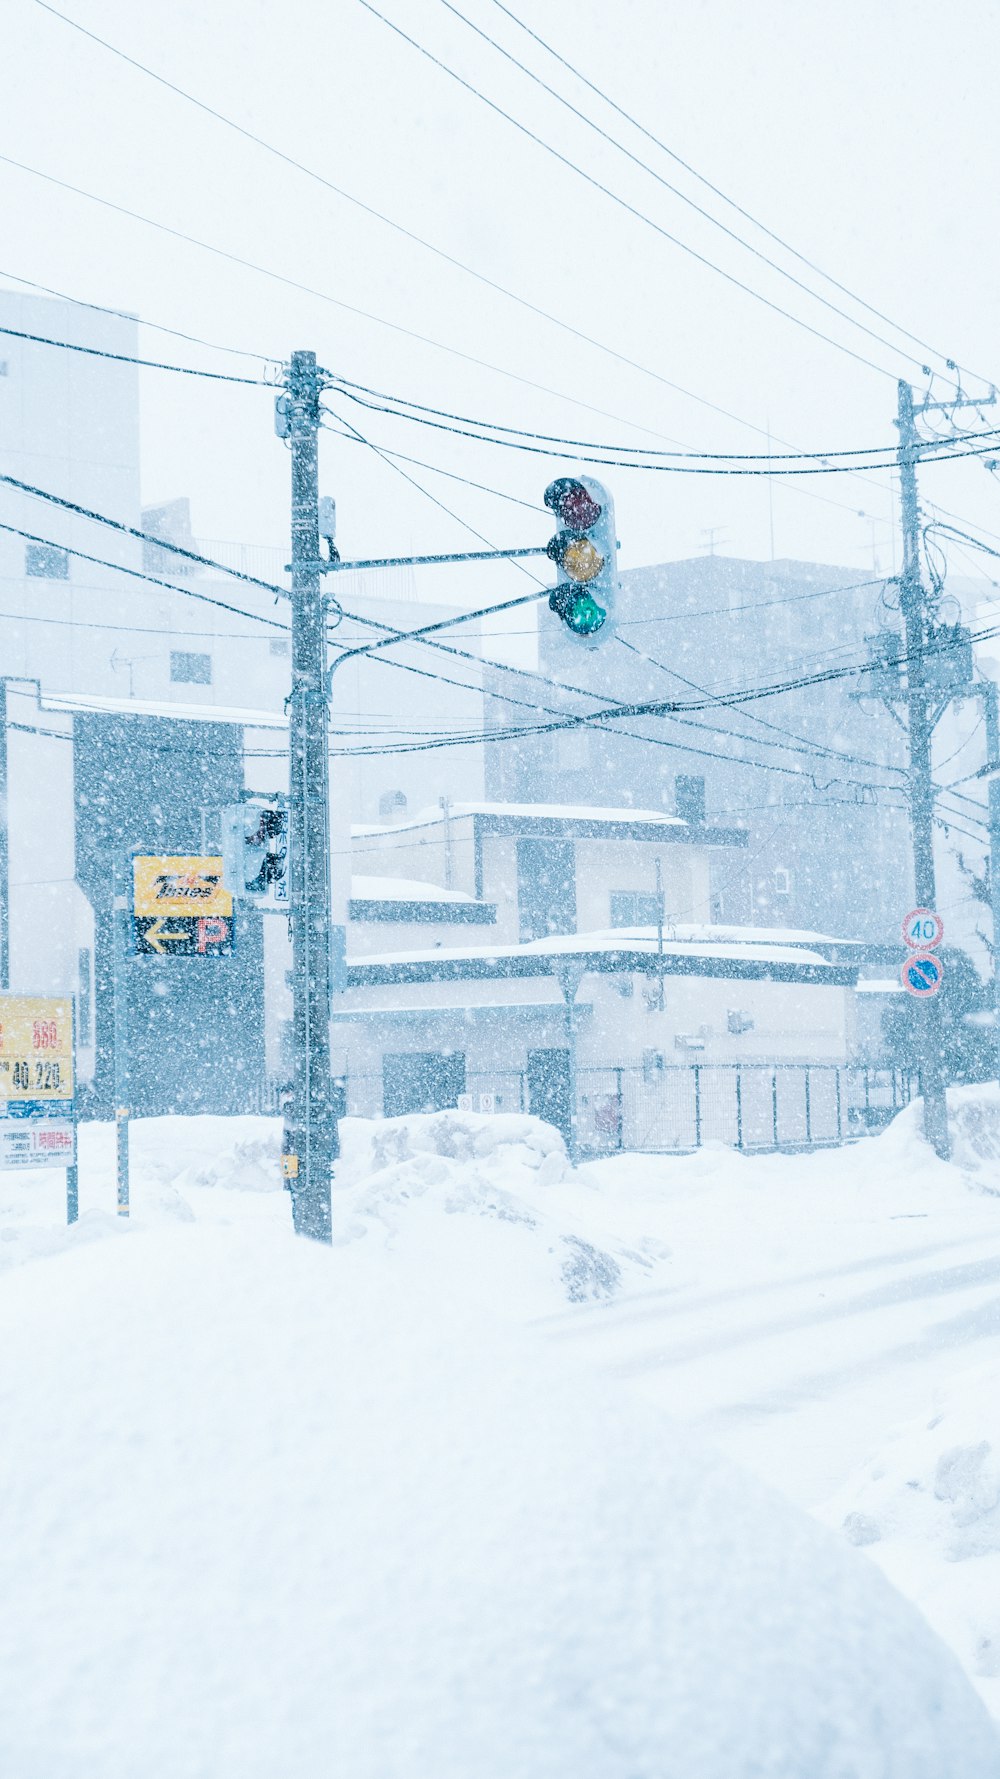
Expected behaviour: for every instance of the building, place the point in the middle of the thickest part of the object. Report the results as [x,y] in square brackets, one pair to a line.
[815,773]
[525,969]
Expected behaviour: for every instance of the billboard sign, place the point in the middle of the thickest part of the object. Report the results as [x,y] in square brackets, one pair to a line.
[181,906]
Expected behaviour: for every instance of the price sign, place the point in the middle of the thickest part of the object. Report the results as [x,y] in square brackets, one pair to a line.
[37,1127]
[923,930]
[36,1051]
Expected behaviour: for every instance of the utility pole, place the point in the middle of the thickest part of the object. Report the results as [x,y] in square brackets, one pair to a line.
[659,935]
[991,710]
[314,1143]
[120,934]
[916,620]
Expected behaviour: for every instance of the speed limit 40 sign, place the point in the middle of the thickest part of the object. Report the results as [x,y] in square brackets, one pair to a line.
[923,930]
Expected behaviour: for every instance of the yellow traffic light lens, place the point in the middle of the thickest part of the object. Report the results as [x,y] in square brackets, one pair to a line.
[581,560]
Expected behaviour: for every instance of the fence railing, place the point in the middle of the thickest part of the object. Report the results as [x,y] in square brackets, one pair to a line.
[754,1106]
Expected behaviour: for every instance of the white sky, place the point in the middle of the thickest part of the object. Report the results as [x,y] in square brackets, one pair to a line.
[863,134]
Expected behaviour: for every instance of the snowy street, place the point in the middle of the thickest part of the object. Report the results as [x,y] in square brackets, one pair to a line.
[830,1322]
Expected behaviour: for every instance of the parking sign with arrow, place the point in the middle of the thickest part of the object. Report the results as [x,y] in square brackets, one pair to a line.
[180,906]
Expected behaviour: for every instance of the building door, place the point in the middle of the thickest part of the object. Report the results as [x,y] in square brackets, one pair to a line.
[549,1087]
[421,1081]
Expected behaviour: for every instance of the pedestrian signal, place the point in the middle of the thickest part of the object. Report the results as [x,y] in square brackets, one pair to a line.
[255,851]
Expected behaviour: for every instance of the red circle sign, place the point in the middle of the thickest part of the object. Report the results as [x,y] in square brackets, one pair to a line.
[922,975]
[923,930]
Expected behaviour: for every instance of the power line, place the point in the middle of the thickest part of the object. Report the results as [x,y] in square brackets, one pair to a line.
[718,192]
[16,618]
[339,191]
[803,744]
[354,438]
[153,364]
[940,455]
[725,611]
[410,333]
[676,191]
[140,574]
[311,173]
[146,537]
[140,320]
[623,203]
[619,710]
[400,402]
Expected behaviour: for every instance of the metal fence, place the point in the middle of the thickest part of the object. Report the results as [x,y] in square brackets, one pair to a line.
[677,1108]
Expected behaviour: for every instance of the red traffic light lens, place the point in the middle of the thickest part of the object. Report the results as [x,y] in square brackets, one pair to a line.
[570,500]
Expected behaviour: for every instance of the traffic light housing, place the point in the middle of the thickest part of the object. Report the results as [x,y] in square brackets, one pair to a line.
[255,854]
[585,551]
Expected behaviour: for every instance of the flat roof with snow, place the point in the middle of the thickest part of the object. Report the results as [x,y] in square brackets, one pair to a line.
[605,952]
[580,820]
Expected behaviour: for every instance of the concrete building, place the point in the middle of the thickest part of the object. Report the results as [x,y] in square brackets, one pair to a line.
[816,774]
[524,970]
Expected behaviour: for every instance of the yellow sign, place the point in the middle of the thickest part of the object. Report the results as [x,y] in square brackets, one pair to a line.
[171,884]
[36,1048]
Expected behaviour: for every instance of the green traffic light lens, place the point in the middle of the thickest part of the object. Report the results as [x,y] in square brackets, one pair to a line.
[584,616]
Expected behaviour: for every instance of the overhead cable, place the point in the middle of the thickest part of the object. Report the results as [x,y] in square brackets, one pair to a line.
[623,203]
[683,196]
[717,191]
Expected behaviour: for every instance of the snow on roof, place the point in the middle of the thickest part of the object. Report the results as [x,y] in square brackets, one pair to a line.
[166,707]
[403,889]
[890,987]
[693,932]
[591,944]
[557,812]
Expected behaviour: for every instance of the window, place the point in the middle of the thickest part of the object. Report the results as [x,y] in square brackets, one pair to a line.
[190,670]
[635,908]
[782,881]
[46,562]
[279,646]
[689,795]
[392,806]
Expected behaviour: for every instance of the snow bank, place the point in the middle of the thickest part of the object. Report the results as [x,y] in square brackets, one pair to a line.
[399,1176]
[927,1507]
[271,1509]
[973,1126]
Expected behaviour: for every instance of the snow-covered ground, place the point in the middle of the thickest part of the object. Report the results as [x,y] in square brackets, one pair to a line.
[526,1346]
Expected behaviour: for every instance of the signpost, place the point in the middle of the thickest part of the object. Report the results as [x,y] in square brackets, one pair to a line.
[37,1087]
[922,975]
[181,906]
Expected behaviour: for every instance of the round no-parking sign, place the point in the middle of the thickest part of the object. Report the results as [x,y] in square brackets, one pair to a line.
[922,975]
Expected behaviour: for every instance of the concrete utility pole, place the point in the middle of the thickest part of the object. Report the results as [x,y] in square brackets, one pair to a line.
[991,709]
[314,1142]
[916,620]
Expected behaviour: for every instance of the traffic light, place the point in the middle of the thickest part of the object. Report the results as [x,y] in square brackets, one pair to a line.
[255,854]
[585,551]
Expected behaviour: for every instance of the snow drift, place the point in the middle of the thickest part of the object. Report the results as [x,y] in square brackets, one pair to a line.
[927,1509]
[270,1509]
